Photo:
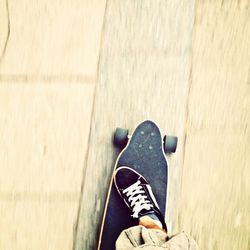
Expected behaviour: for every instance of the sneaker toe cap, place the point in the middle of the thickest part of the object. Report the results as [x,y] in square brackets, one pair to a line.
[125,177]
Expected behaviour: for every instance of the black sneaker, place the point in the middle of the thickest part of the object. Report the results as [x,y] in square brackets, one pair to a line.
[137,194]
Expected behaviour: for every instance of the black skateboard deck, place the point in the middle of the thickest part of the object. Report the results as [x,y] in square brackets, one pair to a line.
[144,153]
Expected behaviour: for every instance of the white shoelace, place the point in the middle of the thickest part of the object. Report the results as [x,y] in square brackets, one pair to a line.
[137,199]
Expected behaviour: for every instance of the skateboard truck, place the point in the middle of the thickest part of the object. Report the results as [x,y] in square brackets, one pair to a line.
[121,137]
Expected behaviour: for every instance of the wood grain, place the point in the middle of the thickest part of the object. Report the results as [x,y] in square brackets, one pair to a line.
[143,73]
[184,64]
[59,38]
[215,185]
[4,27]
[29,224]
[44,130]
[44,120]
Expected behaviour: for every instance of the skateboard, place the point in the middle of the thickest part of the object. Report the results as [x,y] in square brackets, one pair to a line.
[142,151]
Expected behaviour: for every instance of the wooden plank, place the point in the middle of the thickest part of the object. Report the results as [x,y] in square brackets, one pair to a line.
[47,39]
[44,134]
[32,224]
[143,73]
[215,200]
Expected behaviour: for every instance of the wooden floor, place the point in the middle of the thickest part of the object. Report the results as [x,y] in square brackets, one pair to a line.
[71,71]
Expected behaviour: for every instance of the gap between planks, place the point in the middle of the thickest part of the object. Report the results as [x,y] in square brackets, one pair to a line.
[88,79]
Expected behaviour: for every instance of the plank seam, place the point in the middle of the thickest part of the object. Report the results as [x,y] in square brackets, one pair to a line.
[8,32]
[76,229]
[47,78]
[187,102]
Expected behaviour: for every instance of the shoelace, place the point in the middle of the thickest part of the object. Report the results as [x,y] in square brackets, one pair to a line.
[137,198]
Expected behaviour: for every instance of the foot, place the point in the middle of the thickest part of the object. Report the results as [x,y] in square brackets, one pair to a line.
[137,194]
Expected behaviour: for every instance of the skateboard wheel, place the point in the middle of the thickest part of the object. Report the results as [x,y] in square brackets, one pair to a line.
[121,137]
[170,143]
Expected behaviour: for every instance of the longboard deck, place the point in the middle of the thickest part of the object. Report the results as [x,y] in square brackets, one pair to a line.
[144,153]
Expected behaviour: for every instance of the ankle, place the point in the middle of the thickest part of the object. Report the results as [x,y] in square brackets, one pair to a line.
[150,223]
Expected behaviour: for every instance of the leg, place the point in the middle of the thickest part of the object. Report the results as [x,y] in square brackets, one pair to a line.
[150,223]
[139,237]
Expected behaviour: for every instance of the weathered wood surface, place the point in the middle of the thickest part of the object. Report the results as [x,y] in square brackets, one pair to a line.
[58,39]
[143,73]
[43,140]
[49,52]
[184,64]
[215,185]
